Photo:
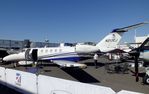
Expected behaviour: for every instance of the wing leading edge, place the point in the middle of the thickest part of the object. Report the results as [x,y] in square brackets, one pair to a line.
[64,63]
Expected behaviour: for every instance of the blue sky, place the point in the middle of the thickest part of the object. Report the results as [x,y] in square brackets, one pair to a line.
[70,20]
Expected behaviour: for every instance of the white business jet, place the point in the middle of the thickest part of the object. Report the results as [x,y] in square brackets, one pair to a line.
[68,56]
[144,51]
[144,55]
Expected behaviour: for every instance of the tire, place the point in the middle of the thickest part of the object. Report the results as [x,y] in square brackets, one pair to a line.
[146,79]
[145,64]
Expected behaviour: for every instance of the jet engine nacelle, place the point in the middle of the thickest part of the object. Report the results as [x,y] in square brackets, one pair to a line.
[82,48]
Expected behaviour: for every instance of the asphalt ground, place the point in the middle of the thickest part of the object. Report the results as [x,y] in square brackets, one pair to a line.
[5,90]
[117,80]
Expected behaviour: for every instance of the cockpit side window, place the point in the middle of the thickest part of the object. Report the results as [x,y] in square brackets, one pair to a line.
[145,45]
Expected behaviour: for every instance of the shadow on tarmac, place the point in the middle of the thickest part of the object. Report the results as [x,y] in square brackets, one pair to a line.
[80,75]
[139,74]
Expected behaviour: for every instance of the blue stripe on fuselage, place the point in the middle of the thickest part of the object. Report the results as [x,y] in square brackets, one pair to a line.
[75,59]
[58,54]
[72,56]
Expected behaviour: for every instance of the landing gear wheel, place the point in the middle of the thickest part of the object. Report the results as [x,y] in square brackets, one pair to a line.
[14,65]
[146,79]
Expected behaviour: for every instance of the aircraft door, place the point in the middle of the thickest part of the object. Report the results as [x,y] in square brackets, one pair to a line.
[35,54]
[27,54]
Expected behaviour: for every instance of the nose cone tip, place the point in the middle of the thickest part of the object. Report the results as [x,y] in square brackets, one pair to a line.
[5,58]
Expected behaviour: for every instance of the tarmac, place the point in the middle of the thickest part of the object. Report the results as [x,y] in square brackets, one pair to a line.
[117,80]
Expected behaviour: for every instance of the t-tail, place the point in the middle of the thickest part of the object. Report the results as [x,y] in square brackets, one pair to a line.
[111,41]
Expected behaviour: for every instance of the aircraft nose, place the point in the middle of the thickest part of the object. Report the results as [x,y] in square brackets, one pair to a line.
[5,58]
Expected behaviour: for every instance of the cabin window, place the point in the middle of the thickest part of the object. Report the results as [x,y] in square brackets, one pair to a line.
[41,51]
[55,50]
[46,50]
[60,50]
[147,44]
[51,50]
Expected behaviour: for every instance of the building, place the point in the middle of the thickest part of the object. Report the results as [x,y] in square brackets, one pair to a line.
[17,44]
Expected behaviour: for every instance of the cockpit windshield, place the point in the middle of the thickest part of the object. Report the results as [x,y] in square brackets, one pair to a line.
[23,50]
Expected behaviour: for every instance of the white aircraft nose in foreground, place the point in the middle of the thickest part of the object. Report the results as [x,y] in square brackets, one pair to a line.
[67,56]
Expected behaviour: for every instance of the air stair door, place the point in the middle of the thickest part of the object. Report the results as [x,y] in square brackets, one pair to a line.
[35,54]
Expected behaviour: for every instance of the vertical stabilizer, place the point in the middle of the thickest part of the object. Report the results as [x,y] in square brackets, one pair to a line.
[110,42]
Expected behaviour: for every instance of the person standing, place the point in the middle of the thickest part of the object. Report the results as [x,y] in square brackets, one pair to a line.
[95,60]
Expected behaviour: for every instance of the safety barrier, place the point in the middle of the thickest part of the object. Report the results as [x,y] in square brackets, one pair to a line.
[62,86]
[24,81]
[2,75]
[29,83]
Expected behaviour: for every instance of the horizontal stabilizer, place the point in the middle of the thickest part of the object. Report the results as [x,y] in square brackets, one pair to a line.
[125,29]
[64,63]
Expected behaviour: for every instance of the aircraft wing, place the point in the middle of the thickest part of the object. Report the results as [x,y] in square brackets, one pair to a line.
[64,63]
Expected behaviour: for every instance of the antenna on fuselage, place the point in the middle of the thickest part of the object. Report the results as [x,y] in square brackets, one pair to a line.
[46,43]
